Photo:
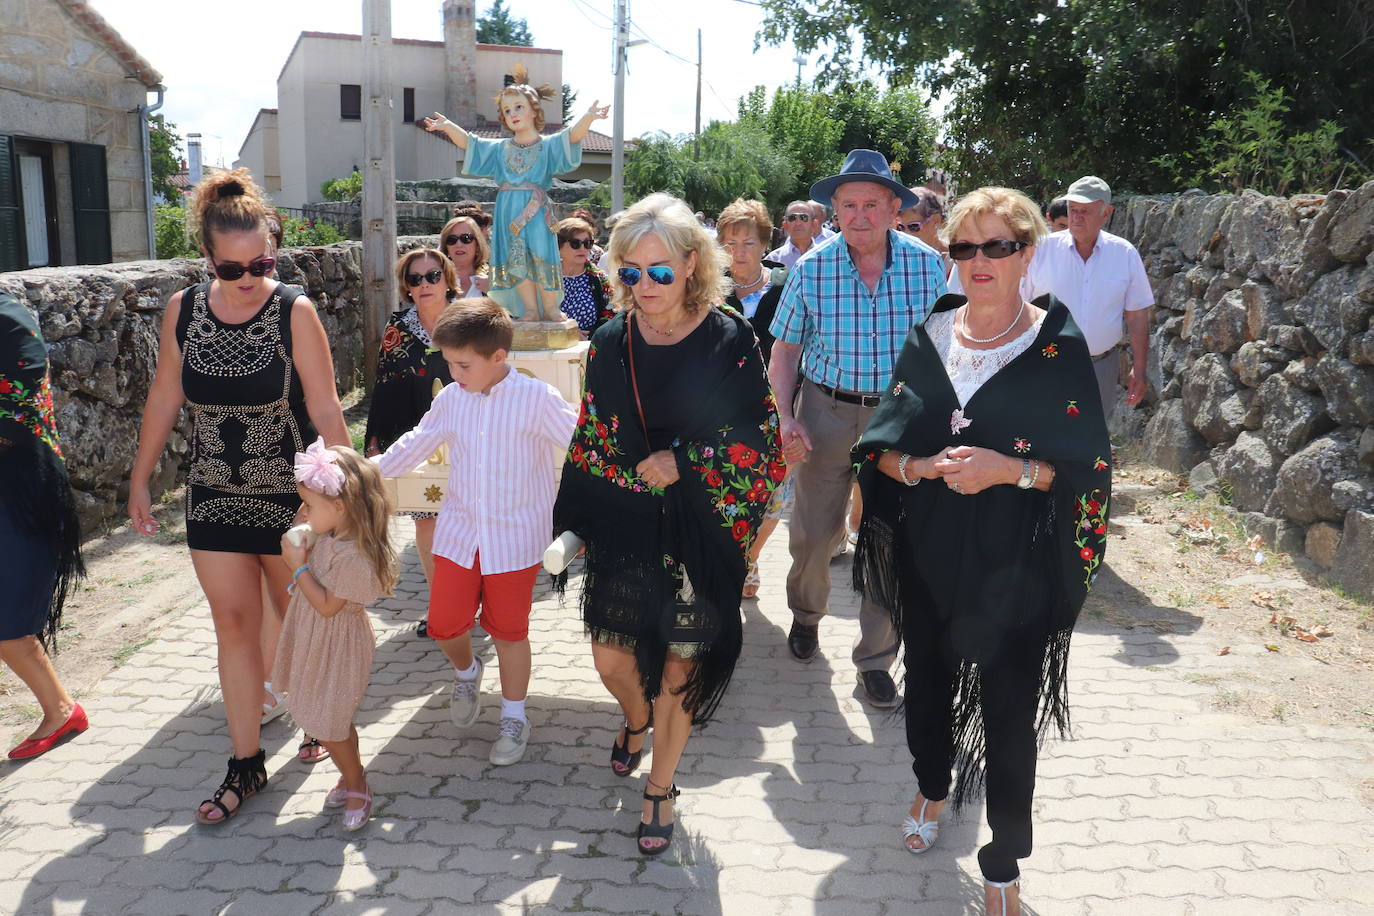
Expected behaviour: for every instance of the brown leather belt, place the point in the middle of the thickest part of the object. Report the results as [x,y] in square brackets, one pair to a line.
[849,397]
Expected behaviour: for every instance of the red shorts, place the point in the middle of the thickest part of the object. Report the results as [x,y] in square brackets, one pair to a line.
[457,592]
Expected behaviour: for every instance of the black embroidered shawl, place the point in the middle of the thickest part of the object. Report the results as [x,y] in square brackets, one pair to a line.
[33,477]
[1005,570]
[408,365]
[638,536]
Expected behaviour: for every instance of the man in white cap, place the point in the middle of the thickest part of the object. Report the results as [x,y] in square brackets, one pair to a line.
[1100,277]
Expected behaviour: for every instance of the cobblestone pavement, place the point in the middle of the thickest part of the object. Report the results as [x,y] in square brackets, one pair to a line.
[791,801]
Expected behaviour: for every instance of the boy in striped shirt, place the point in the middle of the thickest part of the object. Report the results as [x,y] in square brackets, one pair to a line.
[496,517]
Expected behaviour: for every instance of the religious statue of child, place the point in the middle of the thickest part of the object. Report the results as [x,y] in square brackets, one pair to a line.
[526,272]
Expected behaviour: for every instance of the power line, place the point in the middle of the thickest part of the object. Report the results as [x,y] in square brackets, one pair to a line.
[582,7]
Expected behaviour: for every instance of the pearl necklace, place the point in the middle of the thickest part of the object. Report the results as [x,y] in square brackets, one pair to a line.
[757,280]
[982,340]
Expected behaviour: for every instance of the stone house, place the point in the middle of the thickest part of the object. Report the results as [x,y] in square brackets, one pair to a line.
[73,99]
[315,132]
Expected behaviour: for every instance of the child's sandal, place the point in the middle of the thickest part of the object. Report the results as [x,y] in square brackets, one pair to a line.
[623,763]
[312,751]
[655,829]
[246,777]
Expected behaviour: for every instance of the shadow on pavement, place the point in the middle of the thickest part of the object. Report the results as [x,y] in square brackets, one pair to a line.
[1115,607]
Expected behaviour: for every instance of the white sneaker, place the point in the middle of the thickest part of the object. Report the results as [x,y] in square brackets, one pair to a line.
[466,701]
[510,745]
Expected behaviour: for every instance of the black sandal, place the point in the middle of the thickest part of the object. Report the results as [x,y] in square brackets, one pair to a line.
[623,763]
[246,777]
[654,830]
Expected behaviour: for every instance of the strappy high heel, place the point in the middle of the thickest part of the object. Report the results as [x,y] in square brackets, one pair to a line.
[623,763]
[927,831]
[655,829]
[1001,887]
[246,777]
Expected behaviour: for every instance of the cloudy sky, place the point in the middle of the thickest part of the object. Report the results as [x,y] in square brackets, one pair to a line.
[219,74]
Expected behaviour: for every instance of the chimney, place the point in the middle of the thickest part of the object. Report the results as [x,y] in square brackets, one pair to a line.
[193,170]
[460,62]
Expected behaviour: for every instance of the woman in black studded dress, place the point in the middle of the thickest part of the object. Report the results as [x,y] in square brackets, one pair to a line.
[250,359]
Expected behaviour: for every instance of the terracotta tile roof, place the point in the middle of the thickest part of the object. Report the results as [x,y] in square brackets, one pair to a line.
[112,41]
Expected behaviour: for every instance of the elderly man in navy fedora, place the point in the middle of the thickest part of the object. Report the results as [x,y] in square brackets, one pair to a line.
[845,311]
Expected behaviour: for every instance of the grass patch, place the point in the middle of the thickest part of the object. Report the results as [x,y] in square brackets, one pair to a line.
[126,653]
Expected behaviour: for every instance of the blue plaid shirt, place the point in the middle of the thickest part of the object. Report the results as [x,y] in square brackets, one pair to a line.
[850,337]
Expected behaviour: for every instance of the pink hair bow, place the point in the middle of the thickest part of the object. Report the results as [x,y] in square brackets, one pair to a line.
[317,469]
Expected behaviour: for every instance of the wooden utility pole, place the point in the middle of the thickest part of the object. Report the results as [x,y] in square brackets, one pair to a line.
[380,294]
[696,141]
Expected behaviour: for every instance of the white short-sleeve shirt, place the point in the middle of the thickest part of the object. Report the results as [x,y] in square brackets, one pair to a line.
[1099,291]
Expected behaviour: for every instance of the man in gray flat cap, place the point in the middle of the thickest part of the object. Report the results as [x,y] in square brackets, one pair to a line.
[1101,278]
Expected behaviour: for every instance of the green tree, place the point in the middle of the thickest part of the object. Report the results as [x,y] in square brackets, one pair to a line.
[164,146]
[569,104]
[343,189]
[737,160]
[499,27]
[1045,91]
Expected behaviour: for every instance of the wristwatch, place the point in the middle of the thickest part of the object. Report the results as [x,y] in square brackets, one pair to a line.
[1025,481]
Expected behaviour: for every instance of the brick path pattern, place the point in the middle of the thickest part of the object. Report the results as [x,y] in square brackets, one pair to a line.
[791,801]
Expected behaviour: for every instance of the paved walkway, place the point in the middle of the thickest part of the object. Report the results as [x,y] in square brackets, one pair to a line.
[790,802]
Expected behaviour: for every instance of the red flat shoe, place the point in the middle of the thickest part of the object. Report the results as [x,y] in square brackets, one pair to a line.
[32,747]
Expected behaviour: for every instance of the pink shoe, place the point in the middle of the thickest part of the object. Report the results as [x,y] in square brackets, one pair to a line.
[356,818]
[336,796]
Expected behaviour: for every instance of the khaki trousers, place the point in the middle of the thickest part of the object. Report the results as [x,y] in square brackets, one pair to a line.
[817,523]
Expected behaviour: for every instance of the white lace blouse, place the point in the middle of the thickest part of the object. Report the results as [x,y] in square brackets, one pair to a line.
[969,369]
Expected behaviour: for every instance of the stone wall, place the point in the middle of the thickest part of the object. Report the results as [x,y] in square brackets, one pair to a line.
[102,325]
[1262,361]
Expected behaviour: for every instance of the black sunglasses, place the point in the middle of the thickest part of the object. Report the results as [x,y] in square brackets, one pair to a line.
[230,272]
[912,228]
[793,217]
[993,248]
[575,244]
[434,276]
[467,238]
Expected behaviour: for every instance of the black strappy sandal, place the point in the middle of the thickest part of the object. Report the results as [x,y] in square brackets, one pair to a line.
[246,777]
[655,830]
[623,763]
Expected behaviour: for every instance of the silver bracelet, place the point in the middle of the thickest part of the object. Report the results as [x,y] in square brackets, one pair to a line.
[901,471]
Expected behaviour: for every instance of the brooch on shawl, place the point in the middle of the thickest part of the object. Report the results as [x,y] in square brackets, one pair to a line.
[957,422]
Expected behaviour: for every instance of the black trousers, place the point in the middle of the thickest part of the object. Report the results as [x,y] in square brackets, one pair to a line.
[1009,695]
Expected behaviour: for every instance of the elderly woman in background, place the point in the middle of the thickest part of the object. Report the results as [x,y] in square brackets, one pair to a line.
[666,481]
[586,291]
[743,229]
[465,244]
[925,221]
[985,473]
[410,369]
[586,217]
[40,537]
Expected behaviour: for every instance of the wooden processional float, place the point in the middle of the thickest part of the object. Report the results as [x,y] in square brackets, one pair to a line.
[547,350]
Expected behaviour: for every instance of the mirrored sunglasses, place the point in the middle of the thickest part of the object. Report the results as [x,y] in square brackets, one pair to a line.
[433,276]
[230,271]
[467,238]
[660,274]
[993,248]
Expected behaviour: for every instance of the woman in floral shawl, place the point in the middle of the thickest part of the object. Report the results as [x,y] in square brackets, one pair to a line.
[40,537]
[667,478]
[985,483]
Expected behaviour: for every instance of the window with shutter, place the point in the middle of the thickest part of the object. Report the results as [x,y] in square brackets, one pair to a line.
[12,254]
[90,203]
[350,102]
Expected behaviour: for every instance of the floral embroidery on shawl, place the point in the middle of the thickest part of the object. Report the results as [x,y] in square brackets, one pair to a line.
[1091,532]
[32,408]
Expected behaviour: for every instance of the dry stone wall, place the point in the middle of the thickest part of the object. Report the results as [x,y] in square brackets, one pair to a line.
[1262,361]
[102,325]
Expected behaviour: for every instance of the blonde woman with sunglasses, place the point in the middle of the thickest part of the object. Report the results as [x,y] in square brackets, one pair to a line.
[466,245]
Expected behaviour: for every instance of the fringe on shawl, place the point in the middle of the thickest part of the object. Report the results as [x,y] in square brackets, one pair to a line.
[40,495]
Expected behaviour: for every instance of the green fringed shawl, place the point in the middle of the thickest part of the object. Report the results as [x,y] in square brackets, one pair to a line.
[1006,570]
[641,538]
